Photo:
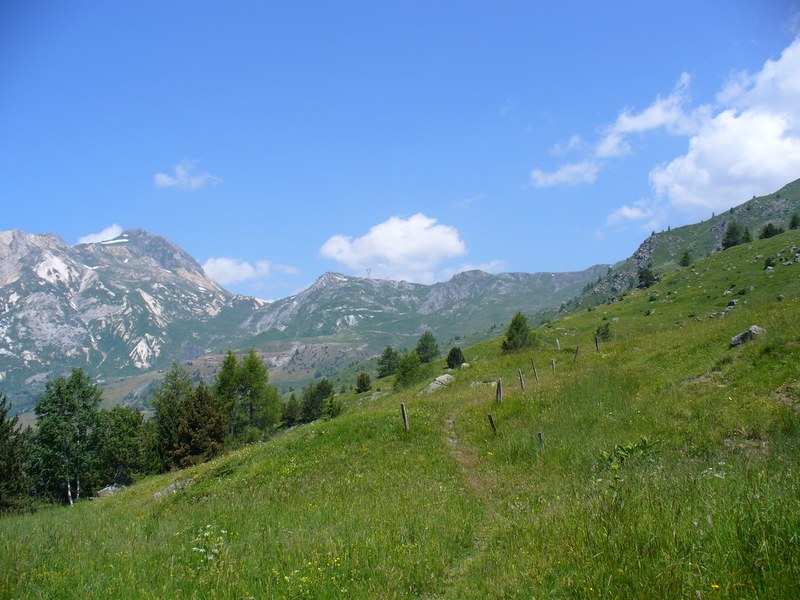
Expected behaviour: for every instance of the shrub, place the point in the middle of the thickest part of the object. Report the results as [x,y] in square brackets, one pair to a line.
[603,332]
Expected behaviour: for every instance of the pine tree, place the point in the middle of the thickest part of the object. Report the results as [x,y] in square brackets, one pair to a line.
[363,383]
[686,259]
[387,363]
[227,388]
[203,427]
[647,277]
[169,403]
[794,221]
[259,402]
[769,230]
[427,347]
[314,397]
[14,459]
[66,435]
[734,235]
[409,370]
[518,334]
[292,411]
[455,358]
[118,457]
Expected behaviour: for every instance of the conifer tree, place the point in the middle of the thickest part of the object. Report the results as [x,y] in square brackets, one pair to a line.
[387,363]
[118,456]
[427,347]
[363,383]
[292,411]
[259,402]
[409,370]
[518,334]
[455,358]
[202,429]
[14,459]
[169,403]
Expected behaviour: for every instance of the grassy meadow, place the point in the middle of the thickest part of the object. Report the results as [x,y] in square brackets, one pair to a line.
[667,467]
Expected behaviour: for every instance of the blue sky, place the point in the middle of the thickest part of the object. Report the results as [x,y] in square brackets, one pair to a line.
[275,141]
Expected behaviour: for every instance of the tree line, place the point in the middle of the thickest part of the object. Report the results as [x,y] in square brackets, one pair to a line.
[78,448]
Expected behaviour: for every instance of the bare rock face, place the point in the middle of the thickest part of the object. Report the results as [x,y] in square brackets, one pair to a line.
[110,307]
[747,335]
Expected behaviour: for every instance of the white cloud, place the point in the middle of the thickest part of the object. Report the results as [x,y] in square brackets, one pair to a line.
[572,173]
[647,214]
[109,233]
[185,177]
[748,145]
[232,270]
[405,249]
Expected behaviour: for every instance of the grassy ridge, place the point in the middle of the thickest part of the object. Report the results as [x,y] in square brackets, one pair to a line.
[670,466]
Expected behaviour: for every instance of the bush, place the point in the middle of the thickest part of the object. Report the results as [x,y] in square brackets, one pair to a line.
[603,332]
[455,358]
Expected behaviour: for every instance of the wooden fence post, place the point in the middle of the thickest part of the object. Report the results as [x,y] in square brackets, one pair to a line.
[405,416]
[574,358]
[596,344]
[541,441]
[553,364]
[491,422]
[498,397]
[558,345]
[521,380]
[535,374]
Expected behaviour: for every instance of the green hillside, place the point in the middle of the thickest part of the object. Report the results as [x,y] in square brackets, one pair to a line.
[667,467]
[662,251]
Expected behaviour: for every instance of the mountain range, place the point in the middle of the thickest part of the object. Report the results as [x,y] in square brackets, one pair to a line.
[125,308]
[131,305]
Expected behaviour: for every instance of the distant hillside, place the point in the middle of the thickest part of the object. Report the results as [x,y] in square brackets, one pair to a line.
[661,251]
[127,307]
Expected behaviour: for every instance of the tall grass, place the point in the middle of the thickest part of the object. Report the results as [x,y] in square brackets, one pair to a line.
[669,467]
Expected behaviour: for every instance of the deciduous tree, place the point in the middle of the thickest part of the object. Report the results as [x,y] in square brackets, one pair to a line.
[66,440]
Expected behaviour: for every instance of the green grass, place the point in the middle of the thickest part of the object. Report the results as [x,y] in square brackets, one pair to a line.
[357,507]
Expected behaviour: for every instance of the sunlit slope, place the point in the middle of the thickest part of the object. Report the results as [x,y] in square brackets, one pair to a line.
[668,465]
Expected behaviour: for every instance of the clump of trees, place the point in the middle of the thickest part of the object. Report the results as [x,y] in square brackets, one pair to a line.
[77,447]
[735,234]
[769,230]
